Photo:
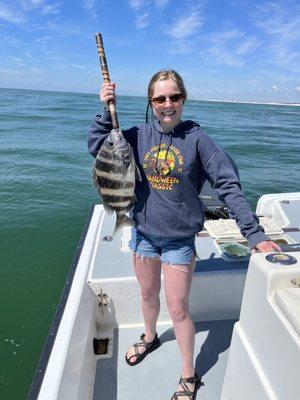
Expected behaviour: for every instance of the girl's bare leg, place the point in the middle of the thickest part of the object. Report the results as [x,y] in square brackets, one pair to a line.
[148,273]
[178,280]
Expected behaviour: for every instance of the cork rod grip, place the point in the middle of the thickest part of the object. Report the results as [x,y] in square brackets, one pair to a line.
[106,79]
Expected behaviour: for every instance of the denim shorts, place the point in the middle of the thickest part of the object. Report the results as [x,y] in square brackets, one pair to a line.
[176,251]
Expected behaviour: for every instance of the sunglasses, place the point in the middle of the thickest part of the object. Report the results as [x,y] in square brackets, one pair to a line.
[174,98]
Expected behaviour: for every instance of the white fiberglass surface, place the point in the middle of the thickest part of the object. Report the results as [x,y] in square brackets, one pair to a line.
[156,377]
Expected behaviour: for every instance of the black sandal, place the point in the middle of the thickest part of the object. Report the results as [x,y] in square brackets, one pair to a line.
[149,346]
[186,391]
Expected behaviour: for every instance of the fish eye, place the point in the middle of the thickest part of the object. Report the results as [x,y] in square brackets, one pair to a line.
[110,143]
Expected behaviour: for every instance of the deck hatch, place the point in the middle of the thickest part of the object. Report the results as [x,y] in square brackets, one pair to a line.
[281,258]
[100,346]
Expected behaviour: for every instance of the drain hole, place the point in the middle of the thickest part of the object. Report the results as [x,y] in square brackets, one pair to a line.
[107,238]
[100,346]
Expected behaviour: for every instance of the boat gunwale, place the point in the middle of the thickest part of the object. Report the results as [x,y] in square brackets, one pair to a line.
[41,368]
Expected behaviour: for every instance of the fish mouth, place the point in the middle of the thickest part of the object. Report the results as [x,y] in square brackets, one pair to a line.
[115,136]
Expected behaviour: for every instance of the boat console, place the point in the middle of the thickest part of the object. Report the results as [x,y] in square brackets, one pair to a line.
[264,357]
[264,360]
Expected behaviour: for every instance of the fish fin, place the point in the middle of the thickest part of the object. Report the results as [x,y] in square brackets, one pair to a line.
[122,220]
[97,186]
[138,176]
[107,208]
[95,180]
[127,161]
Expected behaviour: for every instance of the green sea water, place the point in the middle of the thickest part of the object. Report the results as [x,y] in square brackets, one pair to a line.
[46,192]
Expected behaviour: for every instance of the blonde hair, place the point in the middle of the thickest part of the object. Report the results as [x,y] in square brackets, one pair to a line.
[164,75]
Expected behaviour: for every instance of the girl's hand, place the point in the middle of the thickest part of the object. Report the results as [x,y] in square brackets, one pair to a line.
[266,247]
[107,92]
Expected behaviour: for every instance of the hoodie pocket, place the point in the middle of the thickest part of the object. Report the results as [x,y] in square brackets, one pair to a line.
[173,219]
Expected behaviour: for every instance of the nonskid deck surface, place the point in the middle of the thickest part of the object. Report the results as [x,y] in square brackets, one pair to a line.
[156,377]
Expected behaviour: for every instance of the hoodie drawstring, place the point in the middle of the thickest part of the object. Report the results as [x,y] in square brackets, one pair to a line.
[167,151]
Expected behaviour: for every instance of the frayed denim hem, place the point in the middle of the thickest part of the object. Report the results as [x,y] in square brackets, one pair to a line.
[145,255]
[184,267]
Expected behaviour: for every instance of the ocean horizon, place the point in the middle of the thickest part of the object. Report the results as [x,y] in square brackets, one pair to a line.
[295,104]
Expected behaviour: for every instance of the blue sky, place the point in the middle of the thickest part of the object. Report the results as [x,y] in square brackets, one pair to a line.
[230,49]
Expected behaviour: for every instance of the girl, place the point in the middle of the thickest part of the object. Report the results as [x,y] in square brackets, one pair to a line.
[175,157]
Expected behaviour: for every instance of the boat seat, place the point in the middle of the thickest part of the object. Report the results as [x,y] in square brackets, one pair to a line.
[288,301]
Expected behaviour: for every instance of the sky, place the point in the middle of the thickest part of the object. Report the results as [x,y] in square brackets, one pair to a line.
[224,49]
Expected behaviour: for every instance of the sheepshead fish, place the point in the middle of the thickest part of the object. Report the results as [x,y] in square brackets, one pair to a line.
[114,175]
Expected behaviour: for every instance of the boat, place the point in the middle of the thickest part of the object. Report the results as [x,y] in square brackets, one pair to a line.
[246,311]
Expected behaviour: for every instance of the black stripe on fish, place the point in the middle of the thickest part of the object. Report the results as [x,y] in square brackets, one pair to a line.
[117,208]
[116,199]
[105,152]
[110,167]
[112,184]
[114,155]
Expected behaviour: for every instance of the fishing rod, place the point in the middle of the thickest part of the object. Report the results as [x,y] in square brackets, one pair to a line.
[106,79]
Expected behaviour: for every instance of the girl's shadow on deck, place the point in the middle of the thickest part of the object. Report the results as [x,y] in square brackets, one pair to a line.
[217,341]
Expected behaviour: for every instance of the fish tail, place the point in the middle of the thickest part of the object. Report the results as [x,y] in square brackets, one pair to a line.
[122,220]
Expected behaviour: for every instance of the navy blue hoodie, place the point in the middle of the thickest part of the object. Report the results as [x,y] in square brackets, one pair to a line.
[174,167]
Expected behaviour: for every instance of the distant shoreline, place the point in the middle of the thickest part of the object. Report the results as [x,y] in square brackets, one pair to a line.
[191,99]
[249,102]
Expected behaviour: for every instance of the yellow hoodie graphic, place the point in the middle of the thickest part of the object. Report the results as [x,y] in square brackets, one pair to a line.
[160,164]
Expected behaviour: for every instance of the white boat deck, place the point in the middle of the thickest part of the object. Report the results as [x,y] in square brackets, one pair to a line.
[156,377]
[74,372]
